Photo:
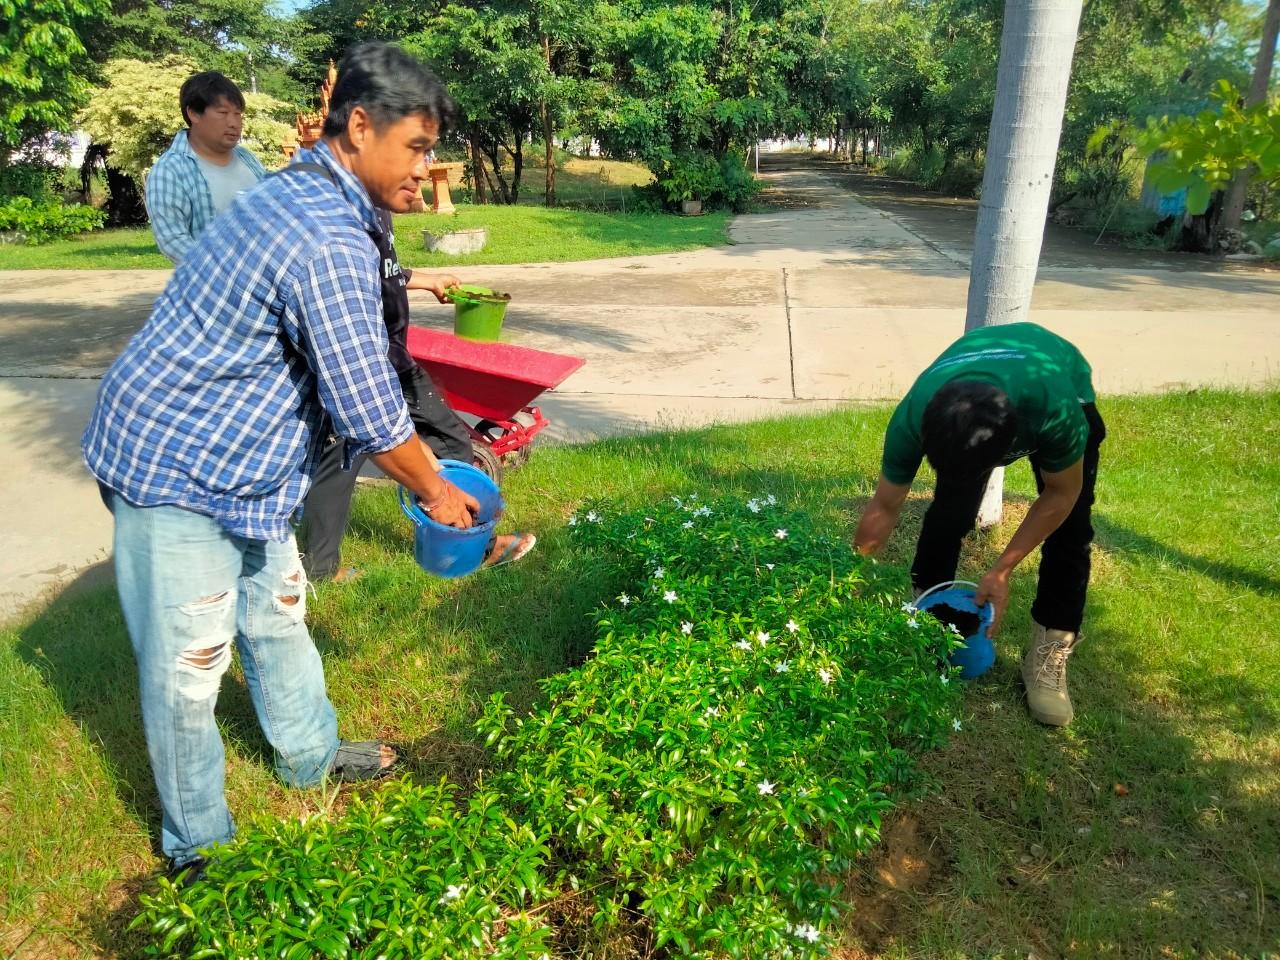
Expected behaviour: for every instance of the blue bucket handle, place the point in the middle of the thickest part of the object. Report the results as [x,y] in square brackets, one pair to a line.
[987,612]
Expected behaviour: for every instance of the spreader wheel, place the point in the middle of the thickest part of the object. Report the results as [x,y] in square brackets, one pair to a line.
[487,461]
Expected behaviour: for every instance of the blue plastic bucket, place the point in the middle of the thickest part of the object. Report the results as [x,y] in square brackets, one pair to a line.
[978,654]
[445,551]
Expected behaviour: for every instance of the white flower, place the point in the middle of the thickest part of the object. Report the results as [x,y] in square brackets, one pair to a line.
[954,629]
[713,711]
[624,599]
[765,788]
[658,572]
[771,499]
[762,637]
[677,501]
[688,524]
[702,512]
[782,666]
[807,932]
[908,608]
[753,506]
[686,628]
[792,626]
[593,517]
[945,679]
[780,534]
[669,596]
[743,644]
[955,724]
[769,565]
[693,496]
[825,675]
[913,623]
[453,892]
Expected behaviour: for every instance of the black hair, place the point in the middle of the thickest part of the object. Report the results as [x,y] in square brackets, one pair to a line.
[389,84]
[202,90]
[968,427]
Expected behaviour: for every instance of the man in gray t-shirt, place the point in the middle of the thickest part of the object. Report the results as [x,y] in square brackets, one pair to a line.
[225,181]
[205,166]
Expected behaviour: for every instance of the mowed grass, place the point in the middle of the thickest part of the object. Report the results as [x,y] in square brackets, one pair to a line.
[1149,828]
[593,223]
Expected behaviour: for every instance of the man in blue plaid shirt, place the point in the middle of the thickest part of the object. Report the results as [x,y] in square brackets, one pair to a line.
[268,338]
[204,169]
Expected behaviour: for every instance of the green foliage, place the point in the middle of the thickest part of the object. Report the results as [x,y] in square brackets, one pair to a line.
[137,114]
[27,178]
[40,221]
[42,65]
[411,871]
[755,695]
[1202,153]
[689,177]
[249,41]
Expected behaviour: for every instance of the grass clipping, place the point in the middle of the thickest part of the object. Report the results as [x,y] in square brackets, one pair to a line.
[756,695]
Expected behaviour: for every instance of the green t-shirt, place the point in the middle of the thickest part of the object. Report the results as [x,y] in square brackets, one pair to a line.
[1045,377]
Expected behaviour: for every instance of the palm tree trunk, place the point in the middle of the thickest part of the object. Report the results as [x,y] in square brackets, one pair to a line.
[1036,48]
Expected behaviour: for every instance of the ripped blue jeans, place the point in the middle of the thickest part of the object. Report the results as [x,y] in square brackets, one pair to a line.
[189,589]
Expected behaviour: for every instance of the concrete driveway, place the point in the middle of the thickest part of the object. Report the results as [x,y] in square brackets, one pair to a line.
[841,291]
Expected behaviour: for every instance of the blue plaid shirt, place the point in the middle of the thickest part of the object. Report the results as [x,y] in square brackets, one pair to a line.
[268,336]
[178,199]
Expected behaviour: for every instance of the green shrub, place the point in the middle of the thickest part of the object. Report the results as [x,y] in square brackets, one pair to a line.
[756,696]
[688,177]
[45,220]
[738,186]
[723,183]
[756,693]
[33,179]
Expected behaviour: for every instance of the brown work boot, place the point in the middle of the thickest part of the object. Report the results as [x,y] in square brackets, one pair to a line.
[1044,674]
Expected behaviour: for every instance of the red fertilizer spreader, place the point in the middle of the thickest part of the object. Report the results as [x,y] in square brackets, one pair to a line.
[495,382]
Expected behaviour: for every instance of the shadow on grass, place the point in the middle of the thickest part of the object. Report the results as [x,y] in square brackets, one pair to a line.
[1160,868]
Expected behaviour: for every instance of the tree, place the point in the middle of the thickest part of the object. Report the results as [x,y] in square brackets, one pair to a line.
[136,114]
[1036,48]
[44,70]
[493,64]
[1233,205]
[245,39]
[1202,154]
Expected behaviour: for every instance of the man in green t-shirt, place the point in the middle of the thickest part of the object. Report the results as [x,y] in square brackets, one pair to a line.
[997,394]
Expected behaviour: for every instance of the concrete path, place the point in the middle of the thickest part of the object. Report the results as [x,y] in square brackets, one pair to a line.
[844,290]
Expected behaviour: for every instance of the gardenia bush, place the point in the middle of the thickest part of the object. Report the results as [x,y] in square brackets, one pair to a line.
[756,696]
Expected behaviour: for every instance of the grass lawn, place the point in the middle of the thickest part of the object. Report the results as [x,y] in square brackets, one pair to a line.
[589,226]
[1149,828]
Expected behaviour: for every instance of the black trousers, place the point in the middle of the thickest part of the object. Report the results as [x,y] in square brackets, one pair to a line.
[328,505]
[1064,557]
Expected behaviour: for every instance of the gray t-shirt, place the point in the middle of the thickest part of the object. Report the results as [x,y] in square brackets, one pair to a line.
[225,182]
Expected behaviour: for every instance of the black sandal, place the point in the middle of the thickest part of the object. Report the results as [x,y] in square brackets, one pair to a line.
[361,760]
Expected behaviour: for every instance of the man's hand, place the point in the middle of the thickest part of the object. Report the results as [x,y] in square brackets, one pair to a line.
[437,284]
[880,516]
[994,588]
[453,508]
[409,466]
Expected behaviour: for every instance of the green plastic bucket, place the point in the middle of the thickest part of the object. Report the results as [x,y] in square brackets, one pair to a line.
[477,311]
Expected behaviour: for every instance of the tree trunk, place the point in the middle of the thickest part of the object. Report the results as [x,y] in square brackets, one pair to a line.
[477,172]
[1031,91]
[1233,206]
[549,134]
